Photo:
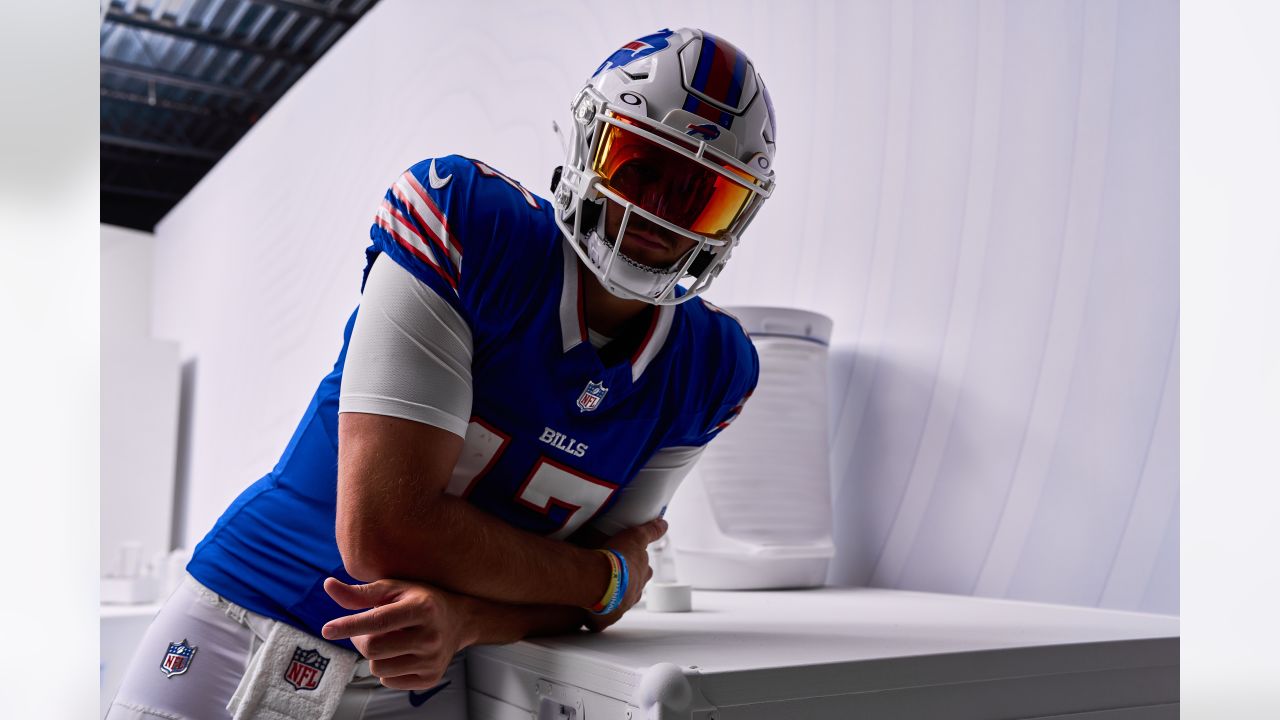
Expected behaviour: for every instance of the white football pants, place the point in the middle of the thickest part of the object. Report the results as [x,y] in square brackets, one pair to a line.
[226,636]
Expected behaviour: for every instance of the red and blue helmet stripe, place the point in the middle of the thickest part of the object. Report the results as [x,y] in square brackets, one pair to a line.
[720,76]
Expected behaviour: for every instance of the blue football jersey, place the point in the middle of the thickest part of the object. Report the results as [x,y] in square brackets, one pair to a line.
[558,428]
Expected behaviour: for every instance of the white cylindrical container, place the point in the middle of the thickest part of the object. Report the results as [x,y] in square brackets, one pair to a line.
[130,559]
[755,512]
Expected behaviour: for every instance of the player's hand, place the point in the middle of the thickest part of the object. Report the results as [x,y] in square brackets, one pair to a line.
[633,544]
[410,633]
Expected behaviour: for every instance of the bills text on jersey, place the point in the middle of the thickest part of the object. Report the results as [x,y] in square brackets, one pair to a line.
[563,442]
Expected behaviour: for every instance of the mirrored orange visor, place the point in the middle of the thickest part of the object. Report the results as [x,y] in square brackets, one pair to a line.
[674,187]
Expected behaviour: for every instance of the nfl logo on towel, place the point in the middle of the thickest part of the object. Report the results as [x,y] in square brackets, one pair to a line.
[177,659]
[592,396]
[306,669]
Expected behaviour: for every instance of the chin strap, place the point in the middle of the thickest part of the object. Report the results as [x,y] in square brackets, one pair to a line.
[592,214]
[701,262]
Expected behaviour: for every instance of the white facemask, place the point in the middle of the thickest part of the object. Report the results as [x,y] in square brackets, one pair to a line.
[624,272]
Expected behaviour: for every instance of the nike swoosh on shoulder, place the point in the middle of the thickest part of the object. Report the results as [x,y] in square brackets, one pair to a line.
[436,181]
[416,699]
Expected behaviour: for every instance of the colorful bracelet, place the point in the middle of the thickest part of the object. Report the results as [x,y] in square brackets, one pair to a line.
[622,587]
[617,584]
[615,577]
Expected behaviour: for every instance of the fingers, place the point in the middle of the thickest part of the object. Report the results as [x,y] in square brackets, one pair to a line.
[393,644]
[404,664]
[411,682]
[642,535]
[382,619]
[655,529]
[359,597]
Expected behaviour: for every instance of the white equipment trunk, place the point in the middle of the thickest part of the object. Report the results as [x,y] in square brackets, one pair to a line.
[840,653]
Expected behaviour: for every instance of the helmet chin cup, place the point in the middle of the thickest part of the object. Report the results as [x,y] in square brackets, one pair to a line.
[624,277]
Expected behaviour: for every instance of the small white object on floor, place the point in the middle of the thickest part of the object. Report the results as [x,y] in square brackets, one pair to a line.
[663,593]
[668,597]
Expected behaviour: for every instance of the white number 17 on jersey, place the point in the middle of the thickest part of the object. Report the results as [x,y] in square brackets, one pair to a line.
[548,484]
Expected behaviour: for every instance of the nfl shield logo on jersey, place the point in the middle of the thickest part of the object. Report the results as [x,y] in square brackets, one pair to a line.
[177,659]
[306,669]
[592,396]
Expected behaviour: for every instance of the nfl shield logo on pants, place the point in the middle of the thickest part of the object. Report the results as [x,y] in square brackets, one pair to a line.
[306,669]
[592,396]
[177,659]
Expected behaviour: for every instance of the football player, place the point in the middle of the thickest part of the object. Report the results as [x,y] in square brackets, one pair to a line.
[525,383]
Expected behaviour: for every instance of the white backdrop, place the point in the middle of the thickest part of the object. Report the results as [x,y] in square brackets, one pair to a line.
[139,395]
[982,194]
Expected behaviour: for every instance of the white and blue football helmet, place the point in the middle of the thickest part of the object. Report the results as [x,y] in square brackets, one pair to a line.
[678,128]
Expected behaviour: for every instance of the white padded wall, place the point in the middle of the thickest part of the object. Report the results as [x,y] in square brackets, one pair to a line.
[982,195]
[988,210]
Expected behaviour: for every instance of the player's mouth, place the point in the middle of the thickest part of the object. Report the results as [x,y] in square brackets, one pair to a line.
[653,243]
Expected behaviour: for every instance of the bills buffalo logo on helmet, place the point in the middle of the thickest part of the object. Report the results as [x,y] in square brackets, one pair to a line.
[634,50]
[177,659]
[306,669]
[705,130]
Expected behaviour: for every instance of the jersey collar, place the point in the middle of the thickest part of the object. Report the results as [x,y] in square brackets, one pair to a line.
[573,322]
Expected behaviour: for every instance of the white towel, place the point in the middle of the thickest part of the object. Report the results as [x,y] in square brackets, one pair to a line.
[293,676]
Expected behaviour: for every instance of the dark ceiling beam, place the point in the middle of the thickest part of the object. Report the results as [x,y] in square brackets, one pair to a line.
[195,35]
[152,164]
[224,119]
[157,181]
[313,9]
[141,192]
[139,72]
[158,103]
[159,147]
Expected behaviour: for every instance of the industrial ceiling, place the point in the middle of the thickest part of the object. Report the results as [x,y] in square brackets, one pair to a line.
[183,80]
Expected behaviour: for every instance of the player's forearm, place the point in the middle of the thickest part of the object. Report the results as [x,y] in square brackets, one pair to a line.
[456,546]
[496,623]
[395,521]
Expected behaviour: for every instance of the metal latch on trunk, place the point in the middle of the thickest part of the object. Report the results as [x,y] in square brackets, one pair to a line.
[558,702]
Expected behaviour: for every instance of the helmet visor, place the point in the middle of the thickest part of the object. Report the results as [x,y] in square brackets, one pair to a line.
[675,187]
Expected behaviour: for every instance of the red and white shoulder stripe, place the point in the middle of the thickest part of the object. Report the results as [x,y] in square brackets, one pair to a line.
[418,225]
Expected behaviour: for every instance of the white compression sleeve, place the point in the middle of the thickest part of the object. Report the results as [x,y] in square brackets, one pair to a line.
[409,355]
[648,493]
